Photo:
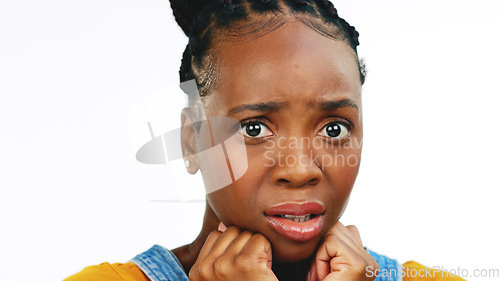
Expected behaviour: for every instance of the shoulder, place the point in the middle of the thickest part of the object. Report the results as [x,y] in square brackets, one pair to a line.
[110,272]
[157,263]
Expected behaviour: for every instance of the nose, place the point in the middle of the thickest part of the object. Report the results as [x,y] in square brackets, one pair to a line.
[296,167]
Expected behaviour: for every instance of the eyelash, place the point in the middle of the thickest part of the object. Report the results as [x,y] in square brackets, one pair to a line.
[344,123]
[257,122]
[252,140]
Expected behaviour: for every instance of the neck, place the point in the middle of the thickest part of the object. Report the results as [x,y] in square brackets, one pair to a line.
[292,271]
[188,254]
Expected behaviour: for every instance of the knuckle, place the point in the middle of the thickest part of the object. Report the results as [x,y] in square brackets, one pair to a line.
[204,275]
[221,266]
[243,260]
[196,275]
[213,235]
[362,265]
[373,263]
[246,233]
[360,269]
[204,270]
[338,225]
[352,228]
[359,261]
[331,238]
[192,275]
[232,230]
[259,238]
[223,269]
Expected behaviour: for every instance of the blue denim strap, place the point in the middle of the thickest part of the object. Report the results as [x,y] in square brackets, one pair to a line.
[160,264]
[389,269]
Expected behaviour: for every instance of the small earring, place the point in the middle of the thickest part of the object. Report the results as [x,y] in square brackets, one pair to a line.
[187,163]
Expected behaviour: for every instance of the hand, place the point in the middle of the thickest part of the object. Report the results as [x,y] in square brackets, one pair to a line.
[341,256]
[229,254]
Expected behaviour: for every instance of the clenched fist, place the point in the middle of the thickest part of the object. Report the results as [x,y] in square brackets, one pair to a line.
[233,255]
[341,256]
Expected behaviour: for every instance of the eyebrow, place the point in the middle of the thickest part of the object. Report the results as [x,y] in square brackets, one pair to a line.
[333,105]
[260,107]
[275,106]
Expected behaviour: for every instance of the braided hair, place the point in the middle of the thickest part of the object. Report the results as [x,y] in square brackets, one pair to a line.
[207,22]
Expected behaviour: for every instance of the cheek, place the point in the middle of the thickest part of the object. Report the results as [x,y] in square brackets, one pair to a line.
[233,186]
[341,168]
[239,203]
[341,162]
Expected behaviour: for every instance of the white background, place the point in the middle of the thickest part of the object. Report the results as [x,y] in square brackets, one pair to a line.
[72,194]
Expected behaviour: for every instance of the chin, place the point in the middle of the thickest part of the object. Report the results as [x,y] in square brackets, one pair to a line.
[290,251]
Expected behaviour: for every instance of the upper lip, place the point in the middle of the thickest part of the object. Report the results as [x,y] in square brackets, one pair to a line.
[296,209]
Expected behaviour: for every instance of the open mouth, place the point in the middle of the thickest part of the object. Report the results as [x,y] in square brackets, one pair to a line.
[298,222]
[303,218]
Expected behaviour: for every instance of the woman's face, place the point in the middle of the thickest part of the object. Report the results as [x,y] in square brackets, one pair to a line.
[297,95]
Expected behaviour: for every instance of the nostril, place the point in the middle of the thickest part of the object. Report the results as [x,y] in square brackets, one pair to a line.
[296,176]
[313,181]
[283,181]
[287,182]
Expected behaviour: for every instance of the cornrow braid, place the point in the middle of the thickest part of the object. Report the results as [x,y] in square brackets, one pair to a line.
[264,6]
[210,21]
[299,6]
[328,8]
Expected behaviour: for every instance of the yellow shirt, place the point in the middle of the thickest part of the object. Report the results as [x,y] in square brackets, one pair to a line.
[412,271]
[110,272]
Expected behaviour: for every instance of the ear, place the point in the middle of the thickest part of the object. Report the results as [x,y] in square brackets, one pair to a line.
[188,141]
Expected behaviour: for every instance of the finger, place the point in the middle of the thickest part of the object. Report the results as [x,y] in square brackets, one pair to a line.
[355,233]
[238,243]
[258,248]
[339,230]
[220,246]
[209,242]
[325,253]
[349,238]
[353,240]
[226,261]
[312,275]
[333,255]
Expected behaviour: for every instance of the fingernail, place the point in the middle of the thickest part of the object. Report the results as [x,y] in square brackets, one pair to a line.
[222,227]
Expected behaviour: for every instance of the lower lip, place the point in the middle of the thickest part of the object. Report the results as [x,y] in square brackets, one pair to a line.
[297,231]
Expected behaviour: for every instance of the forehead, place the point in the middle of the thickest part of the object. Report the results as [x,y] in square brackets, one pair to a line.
[293,63]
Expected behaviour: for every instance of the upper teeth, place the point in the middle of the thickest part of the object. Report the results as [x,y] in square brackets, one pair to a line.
[298,218]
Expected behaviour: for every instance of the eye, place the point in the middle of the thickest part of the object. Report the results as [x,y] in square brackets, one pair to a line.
[255,130]
[334,130]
